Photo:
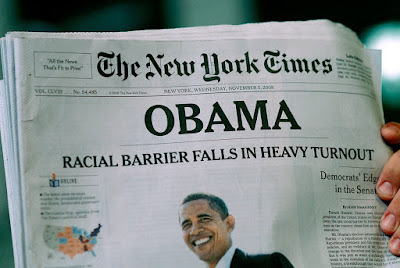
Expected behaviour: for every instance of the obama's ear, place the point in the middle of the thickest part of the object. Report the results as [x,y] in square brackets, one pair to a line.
[230,221]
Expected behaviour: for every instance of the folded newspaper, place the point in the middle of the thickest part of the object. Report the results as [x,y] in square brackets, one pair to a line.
[119,148]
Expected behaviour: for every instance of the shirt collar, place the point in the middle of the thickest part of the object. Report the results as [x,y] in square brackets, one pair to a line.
[225,261]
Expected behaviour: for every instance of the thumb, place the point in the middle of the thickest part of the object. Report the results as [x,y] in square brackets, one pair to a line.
[391,132]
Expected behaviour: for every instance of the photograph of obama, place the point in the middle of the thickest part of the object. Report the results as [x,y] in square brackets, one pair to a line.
[206,228]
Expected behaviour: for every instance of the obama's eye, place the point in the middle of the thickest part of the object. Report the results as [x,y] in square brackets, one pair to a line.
[205,219]
[186,226]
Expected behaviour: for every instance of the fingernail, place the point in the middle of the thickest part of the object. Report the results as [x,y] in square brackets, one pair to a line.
[389,222]
[386,188]
[395,246]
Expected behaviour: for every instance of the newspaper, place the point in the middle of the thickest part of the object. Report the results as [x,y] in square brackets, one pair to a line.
[105,134]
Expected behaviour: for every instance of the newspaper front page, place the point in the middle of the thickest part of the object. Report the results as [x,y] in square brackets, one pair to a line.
[114,131]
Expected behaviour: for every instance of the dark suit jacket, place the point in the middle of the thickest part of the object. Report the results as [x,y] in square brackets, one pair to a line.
[274,260]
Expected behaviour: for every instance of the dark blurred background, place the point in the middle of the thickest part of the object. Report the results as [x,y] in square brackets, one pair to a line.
[378,26]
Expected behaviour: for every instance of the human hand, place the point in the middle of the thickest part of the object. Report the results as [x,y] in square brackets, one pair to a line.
[388,188]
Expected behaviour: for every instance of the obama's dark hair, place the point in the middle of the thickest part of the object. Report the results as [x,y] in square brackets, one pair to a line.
[215,203]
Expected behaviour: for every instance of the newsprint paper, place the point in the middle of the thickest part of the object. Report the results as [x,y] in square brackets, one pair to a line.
[105,134]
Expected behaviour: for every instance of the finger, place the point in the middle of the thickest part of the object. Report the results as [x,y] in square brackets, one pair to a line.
[389,180]
[391,132]
[394,243]
[390,220]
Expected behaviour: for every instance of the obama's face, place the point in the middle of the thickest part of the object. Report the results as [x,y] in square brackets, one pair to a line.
[204,231]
